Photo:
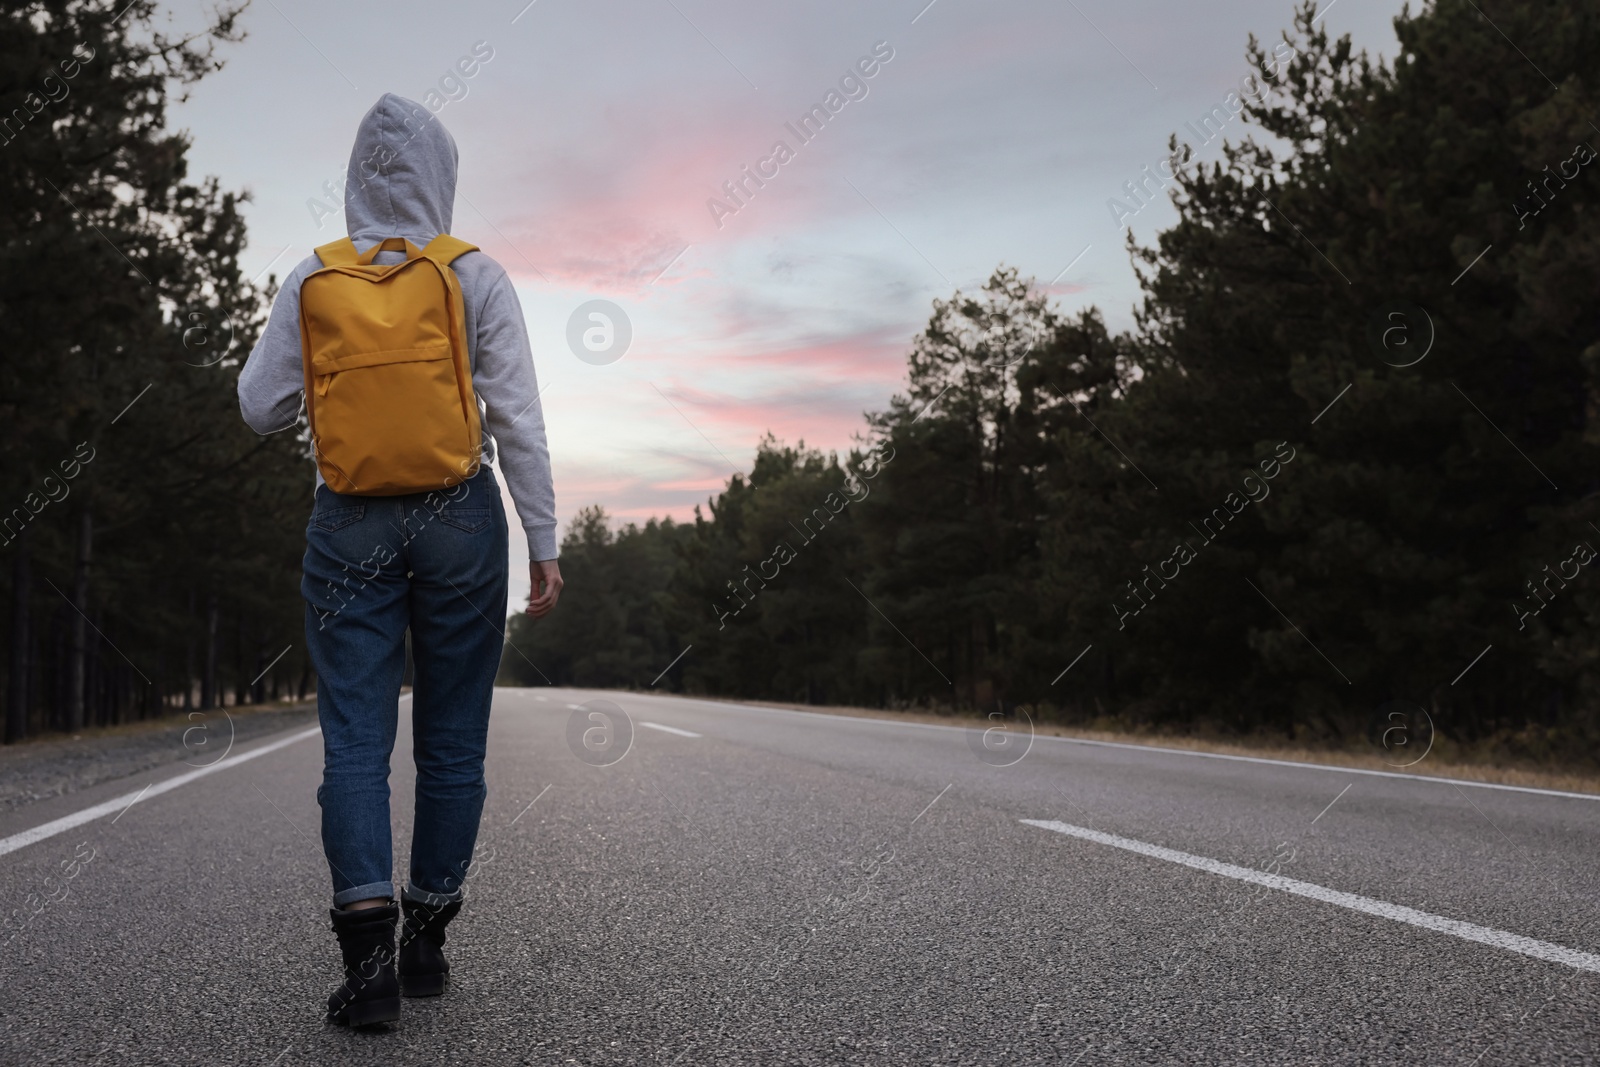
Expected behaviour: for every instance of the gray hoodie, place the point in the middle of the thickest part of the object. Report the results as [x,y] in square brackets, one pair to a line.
[401,182]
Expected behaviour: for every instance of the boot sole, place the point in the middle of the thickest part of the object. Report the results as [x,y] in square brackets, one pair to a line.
[422,985]
[372,1012]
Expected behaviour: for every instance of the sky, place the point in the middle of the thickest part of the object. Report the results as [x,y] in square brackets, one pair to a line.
[595,136]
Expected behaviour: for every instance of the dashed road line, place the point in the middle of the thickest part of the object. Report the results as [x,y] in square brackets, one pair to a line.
[668,729]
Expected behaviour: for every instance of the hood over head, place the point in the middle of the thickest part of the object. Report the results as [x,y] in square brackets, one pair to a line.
[401,181]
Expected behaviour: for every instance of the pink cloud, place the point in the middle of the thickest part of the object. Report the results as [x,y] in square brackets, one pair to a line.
[876,355]
[637,499]
[700,487]
[815,411]
[594,223]
[612,227]
[817,390]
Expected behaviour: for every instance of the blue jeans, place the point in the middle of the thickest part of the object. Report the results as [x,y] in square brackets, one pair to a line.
[375,566]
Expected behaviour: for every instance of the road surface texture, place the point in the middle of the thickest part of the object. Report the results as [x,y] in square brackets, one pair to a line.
[672,881]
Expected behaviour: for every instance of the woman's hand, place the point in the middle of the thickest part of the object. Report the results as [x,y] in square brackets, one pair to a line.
[546,587]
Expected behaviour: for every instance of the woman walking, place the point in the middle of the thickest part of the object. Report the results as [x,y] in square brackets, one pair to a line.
[407,350]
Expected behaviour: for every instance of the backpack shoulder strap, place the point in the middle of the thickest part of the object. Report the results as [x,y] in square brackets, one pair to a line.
[340,253]
[447,249]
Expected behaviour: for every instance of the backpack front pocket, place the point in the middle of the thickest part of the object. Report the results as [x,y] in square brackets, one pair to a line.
[381,422]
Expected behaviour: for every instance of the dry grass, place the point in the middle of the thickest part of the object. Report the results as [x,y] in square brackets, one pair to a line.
[174,717]
[1439,763]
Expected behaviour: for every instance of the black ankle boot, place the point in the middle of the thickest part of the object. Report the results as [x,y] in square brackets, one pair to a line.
[370,992]
[423,967]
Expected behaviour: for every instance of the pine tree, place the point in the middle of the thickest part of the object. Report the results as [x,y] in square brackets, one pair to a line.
[124,316]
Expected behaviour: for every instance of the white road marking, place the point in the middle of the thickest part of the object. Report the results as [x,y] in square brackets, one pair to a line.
[668,729]
[1484,935]
[127,800]
[1330,767]
[1314,766]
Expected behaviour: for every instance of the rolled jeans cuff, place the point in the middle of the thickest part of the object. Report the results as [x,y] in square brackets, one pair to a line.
[370,891]
[430,900]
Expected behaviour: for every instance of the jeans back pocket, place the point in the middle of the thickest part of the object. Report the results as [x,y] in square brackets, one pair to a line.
[472,520]
[336,518]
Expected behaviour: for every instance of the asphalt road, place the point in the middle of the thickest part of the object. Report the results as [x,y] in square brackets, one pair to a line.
[753,885]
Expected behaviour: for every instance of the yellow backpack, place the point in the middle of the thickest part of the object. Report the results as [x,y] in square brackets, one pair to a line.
[388,382]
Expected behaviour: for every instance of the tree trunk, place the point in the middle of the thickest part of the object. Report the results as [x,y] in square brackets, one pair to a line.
[188,656]
[21,639]
[60,625]
[35,675]
[94,688]
[77,677]
[208,681]
[258,686]
[154,704]
[241,694]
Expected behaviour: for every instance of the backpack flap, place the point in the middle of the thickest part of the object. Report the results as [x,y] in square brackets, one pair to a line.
[387,375]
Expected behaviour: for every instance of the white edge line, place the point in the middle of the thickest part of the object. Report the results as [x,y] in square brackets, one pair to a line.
[668,729]
[1329,767]
[1333,768]
[1483,935]
[127,800]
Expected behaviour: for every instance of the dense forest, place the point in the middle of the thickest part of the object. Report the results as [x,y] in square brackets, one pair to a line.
[1346,455]
[151,542]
